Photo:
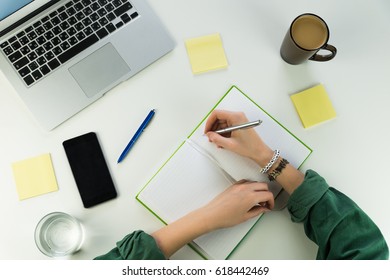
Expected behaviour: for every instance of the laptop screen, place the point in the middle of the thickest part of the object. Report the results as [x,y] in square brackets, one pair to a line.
[8,7]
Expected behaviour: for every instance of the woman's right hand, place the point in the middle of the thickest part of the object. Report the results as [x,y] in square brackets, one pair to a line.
[245,142]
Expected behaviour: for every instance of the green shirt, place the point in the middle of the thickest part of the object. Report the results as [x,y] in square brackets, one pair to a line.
[333,221]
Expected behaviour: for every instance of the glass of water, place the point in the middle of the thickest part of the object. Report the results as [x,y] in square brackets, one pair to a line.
[59,234]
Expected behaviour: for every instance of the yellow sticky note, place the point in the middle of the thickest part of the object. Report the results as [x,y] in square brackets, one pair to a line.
[206,53]
[313,106]
[34,176]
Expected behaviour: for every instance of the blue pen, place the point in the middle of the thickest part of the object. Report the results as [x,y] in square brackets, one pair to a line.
[136,135]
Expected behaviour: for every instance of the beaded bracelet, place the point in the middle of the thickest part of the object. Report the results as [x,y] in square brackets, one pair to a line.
[272,176]
[271,162]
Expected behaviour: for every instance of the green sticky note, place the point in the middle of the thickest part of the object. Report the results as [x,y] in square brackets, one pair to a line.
[34,176]
[313,106]
[206,53]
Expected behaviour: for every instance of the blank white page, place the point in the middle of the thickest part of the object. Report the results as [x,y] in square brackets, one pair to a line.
[186,182]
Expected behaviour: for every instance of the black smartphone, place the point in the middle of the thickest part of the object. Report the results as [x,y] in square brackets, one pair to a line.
[90,170]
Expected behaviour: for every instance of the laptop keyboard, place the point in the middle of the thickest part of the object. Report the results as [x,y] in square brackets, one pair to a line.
[56,38]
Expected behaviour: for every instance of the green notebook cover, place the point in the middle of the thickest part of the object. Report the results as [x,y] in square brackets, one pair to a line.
[171,192]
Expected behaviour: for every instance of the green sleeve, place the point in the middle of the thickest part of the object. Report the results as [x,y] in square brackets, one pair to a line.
[135,246]
[334,222]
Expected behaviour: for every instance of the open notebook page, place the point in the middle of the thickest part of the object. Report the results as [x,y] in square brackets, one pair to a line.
[188,181]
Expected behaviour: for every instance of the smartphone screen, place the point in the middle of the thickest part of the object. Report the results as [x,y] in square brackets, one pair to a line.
[89,169]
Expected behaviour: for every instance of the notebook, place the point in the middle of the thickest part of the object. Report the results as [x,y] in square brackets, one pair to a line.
[62,55]
[198,171]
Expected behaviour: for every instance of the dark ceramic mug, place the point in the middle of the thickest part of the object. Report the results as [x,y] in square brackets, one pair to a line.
[307,35]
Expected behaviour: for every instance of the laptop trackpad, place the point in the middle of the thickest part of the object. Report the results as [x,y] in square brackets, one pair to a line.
[99,70]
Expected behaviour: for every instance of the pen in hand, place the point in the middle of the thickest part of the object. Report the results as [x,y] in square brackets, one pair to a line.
[137,134]
[239,126]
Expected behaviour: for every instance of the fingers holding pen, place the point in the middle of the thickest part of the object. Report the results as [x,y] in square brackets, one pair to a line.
[221,119]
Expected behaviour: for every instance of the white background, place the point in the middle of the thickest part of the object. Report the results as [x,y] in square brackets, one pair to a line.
[351,151]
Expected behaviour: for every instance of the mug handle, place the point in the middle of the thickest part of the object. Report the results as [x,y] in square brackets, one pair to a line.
[332,54]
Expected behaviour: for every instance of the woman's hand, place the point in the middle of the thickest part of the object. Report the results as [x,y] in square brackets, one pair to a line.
[245,142]
[237,204]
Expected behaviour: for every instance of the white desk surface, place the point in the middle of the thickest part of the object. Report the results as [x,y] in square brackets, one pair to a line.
[351,152]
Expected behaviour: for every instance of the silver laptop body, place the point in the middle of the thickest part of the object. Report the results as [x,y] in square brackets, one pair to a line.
[58,68]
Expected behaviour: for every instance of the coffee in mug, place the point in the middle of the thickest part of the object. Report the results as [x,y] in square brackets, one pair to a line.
[307,35]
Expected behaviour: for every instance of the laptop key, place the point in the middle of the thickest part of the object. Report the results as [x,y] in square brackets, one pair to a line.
[122,9]
[63,16]
[57,30]
[71,11]
[32,35]
[38,23]
[78,48]
[48,46]
[88,31]
[28,80]
[126,18]
[24,40]
[102,33]
[24,71]
[95,6]
[78,7]
[49,55]
[109,7]
[16,45]
[40,51]
[33,45]
[48,25]
[20,34]
[4,44]
[36,75]
[24,50]
[86,2]
[21,63]
[80,36]
[12,39]
[53,64]
[72,40]
[116,3]
[57,50]
[87,11]
[8,50]
[53,14]
[32,56]
[41,60]
[95,26]
[111,16]
[40,30]
[56,41]
[65,46]
[134,15]
[33,66]
[45,69]
[40,40]
[110,27]
[15,56]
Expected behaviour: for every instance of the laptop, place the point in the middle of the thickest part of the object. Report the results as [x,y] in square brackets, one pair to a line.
[62,55]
